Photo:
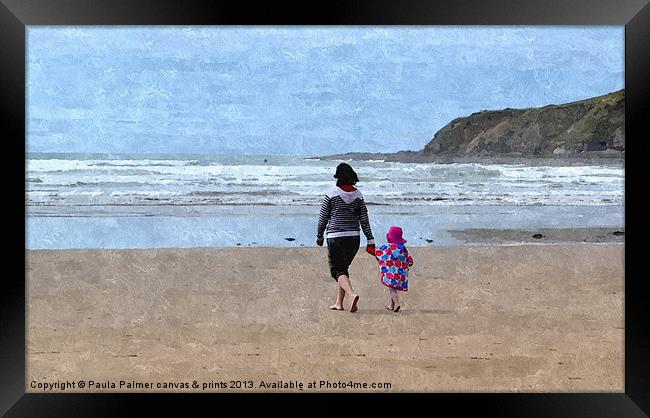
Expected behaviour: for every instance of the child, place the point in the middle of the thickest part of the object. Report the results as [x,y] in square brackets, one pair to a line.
[394,263]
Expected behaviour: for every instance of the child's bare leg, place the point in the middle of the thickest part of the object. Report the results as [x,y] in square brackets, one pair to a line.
[394,299]
[344,282]
[338,305]
[391,305]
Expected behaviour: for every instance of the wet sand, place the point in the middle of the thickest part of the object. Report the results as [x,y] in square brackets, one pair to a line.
[489,318]
[540,235]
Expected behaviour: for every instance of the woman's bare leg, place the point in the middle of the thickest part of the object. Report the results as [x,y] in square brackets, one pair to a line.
[338,305]
[344,283]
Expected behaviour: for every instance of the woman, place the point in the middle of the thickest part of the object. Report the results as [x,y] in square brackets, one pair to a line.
[342,210]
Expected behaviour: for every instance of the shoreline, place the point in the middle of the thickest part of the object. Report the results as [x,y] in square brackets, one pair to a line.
[206,230]
[525,318]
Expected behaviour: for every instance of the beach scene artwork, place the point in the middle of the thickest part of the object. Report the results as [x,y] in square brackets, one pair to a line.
[174,177]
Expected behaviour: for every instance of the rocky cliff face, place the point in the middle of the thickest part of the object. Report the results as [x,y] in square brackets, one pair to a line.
[589,126]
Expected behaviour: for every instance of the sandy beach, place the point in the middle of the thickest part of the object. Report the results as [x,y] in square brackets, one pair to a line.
[486,318]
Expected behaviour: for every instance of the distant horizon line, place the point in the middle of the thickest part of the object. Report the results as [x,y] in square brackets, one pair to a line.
[33,153]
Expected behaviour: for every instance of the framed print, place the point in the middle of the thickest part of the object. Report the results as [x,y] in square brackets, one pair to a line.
[424,200]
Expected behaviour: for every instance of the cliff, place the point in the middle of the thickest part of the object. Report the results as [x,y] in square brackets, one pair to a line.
[588,127]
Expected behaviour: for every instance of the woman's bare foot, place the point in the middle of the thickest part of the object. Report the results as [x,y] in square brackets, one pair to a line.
[390,307]
[336,307]
[353,305]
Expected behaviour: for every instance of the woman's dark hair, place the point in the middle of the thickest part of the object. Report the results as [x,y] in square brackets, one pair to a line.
[345,175]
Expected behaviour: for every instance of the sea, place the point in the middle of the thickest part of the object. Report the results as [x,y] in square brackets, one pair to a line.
[117,201]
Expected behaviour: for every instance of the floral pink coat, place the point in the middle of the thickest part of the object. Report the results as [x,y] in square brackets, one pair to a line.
[394,262]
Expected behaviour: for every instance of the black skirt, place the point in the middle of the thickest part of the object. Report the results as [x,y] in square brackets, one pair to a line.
[340,253]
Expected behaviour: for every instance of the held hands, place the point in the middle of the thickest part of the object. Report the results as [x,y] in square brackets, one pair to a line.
[319,241]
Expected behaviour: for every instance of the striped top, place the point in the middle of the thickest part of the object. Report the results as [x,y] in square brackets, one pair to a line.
[342,212]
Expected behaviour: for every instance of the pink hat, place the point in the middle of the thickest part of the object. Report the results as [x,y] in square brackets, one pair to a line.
[394,235]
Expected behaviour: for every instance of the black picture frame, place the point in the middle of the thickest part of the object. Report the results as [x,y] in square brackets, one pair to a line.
[16,15]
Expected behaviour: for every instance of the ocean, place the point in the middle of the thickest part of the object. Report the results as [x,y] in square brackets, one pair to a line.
[162,201]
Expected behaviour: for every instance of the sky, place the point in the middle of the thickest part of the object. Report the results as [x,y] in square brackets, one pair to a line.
[296,90]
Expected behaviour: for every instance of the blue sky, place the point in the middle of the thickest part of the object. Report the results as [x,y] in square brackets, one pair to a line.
[296,90]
